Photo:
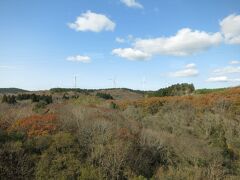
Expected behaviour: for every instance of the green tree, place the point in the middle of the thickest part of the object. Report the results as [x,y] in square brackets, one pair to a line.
[4,99]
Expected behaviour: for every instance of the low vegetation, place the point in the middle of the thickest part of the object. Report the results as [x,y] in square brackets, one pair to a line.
[177,134]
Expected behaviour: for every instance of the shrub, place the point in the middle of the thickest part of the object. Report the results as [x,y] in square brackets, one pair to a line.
[54,165]
[113,105]
[104,95]
[40,105]
[60,160]
[88,172]
[15,162]
[139,178]
[145,159]
[65,97]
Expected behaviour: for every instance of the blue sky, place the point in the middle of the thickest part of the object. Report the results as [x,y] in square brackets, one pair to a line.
[142,44]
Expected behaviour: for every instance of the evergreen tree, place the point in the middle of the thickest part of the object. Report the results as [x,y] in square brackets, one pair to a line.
[175,90]
[12,99]
[34,98]
[4,99]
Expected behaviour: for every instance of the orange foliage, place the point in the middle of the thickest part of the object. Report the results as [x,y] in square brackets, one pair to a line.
[36,125]
[199,101]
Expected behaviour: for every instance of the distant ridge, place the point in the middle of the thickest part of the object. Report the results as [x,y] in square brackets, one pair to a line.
[12,90]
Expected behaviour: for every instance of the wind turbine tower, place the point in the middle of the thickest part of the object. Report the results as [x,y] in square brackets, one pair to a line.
[114,82]
[75,81]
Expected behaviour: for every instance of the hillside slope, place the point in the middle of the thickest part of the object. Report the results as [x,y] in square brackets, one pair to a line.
[12,90]
[89,137]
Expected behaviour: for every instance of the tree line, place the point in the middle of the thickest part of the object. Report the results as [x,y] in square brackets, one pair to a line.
[12,99]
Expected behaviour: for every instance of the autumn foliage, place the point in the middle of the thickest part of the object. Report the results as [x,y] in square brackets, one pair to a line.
[36,125]
[199,101]
[194,136]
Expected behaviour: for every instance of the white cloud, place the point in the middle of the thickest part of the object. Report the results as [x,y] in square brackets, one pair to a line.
[185,42]
[235,62]
[227,70]
[120,40]
[132,3]
[218,79]
[129,39]
[185,73]
[230,27]
[91,21]
[190,70]
[131,54]
[79,58]
[222,79]
[191,65]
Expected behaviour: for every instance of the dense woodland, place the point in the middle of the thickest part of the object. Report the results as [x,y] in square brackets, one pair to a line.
[174,133]
[11,99]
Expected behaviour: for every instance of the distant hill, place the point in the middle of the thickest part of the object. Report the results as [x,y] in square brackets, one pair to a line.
[206,91]
[117,93]
[126,93]
[59,90]
[123,93]
[174,90]
[12,90]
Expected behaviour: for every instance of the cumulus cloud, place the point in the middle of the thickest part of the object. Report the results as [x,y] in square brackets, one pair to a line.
[91,21]
[79,58]
[227,70]
[188,42]
[185,42]
[190,70]
[235,62]
[131,54]
[218,79]
[191,65]
[120,40]
[129,39]
[222,79]
[132,3]
[185,73]
[230,27]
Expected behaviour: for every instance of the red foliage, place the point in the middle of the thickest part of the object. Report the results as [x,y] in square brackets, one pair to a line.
[36,125]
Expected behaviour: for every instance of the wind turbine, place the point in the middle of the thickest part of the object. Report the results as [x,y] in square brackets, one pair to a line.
[75,81]
[114,82]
